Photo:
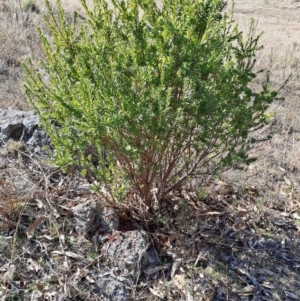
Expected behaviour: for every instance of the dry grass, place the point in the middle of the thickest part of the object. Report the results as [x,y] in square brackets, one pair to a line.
[278,159]
[19,41]
[229,247]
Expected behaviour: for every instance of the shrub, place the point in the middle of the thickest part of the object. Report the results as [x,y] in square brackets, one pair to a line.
[158,94]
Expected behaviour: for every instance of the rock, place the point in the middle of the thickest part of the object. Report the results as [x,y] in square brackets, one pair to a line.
[13,129]
[38,140]
[3,138]
[91,218]
[109,220]
[82,214]
[13,122]
[153,259]
[110,289]
[127,250]
[23,126]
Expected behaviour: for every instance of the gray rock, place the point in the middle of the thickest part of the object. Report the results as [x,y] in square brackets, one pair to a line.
[20,125]
[109,220]
[110,289]
[90,217]
[152,258]
[127,250]
[38,140]
[3,139]
[13,129]
[82,213]
[13,122]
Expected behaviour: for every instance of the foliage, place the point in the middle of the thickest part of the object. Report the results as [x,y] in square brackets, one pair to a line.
[156,94]
[30,5]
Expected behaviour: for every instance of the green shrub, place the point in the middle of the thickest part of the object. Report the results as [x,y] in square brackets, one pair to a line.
[164,91]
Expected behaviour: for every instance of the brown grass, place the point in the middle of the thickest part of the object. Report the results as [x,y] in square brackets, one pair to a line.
[19,41]
[279,158]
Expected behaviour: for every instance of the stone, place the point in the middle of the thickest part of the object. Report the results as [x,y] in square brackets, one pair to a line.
[38,139]
[23,126]
[127,250]
[12,122]
[110,289]
[90,217]
[3,139]
[109,219]
[152,258]
[13,129]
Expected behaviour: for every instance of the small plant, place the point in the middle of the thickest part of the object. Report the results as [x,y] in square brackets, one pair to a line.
[164,92]
[201,194]
[30,6]
[69,242]
[92,255]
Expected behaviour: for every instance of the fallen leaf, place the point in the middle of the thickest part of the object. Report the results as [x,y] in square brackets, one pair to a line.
[33,265]
[200,256]
[267,285]
[241,213]
[50,278]
[47,238]
[5,267]
[89,279]
[40,203]
[253,191]
[156,293]
[246,291]
[284,256]
[176,264]
[74,255]
[296,265]
[152,270]
[279,222]
[30,230]
[57,252]
[244,272]
[296,215]
[189,297]
[8,275]
[175,236]
[40,287]
[287,181]
[213,213]
[285,214]
[291,295]
[264,272]
[208,233]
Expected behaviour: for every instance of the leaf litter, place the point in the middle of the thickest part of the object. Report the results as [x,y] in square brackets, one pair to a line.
[220,247]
